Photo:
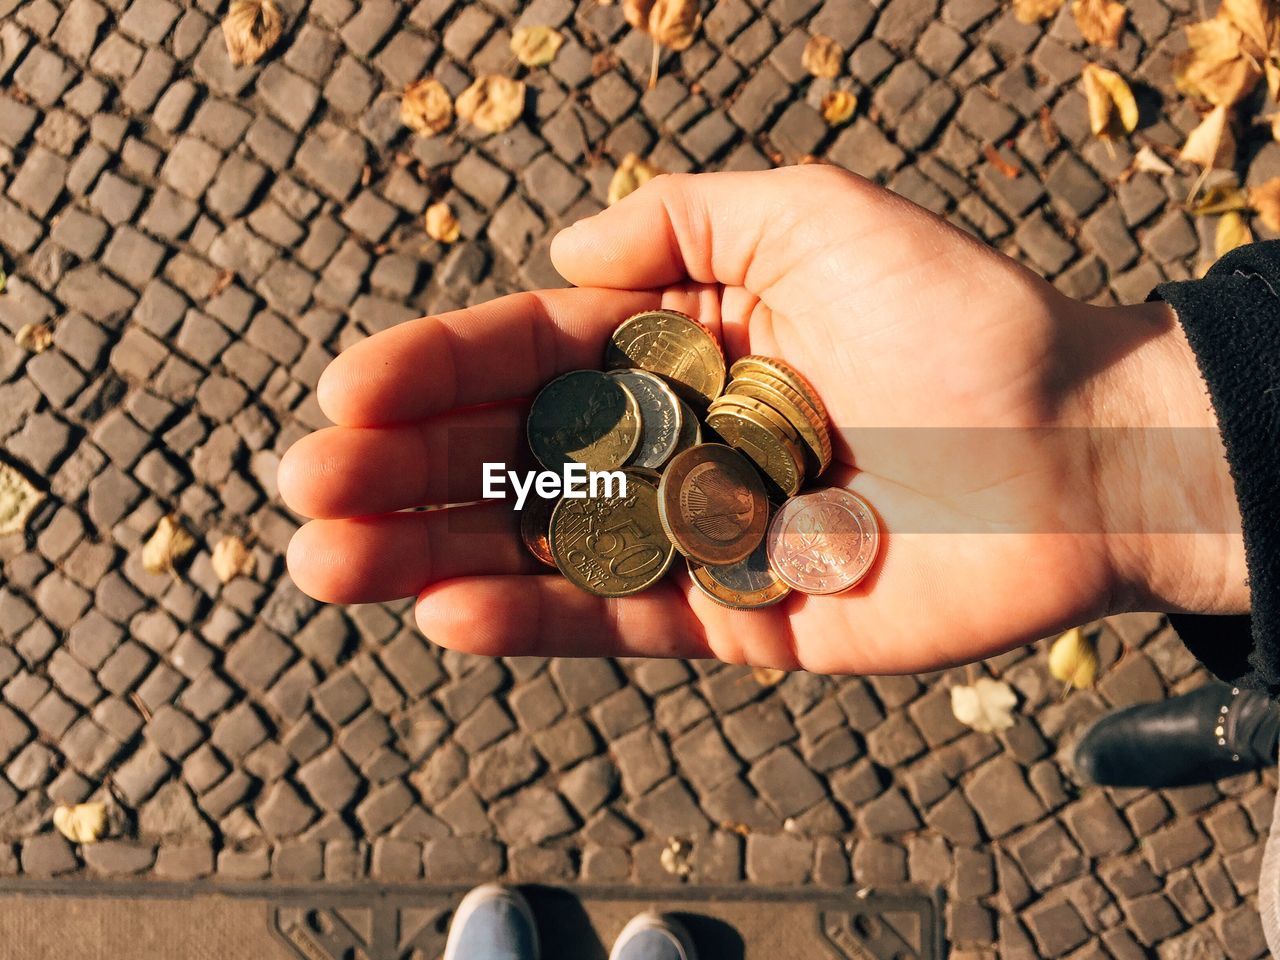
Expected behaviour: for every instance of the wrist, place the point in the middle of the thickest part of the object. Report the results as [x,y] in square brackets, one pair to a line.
[1166,499]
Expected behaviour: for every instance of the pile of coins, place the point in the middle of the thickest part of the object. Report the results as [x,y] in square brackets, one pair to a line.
[714,472]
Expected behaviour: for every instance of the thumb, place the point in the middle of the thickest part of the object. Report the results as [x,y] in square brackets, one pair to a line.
[737,229]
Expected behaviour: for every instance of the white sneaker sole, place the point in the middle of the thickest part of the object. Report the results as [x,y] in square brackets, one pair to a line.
[481,895]
[651,920]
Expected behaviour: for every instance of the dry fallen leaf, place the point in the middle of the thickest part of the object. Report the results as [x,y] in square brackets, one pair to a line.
[986,706]
[17,499]
[822,56]
[536,46]
[1265,200]
[1112,110]
[632,174]
[34,337]
[426,108]
[82,823]
[251,28]
[1100,21]
[493,103]
[838,107]
[167,545]
[997,160]
[768,676]
[441,224]
[1073,659]
[1256,21]
[669,23]
[1033,11]
[231,558]
[1214,66]
[1222,198]
[1233,231]
[676,857]
[1211,144]
[1147,160]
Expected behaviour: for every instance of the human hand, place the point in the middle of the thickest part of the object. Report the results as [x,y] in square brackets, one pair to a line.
[986,414]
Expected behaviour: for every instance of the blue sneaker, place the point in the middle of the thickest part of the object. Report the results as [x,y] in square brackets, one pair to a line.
[651,936]
[492,923]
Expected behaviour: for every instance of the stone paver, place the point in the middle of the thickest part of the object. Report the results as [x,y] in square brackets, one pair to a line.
[203,239]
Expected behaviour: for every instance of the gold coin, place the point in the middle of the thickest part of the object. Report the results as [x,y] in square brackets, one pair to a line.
[690,428]
[661,417]
[797,410]
[745,585]
[783,371]
[763,442]
[731,402]
[535,528]
[612,546]
[584,417]
[712,504]
[823,542]
[675,347]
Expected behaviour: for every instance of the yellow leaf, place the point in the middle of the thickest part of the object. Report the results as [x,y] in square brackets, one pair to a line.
[1265,200]
[674,23]
[536,46]
[1073,659]
[82,823]
[822,56]
[34,337]
[441,224]
[838,107]
[1211,144]
[426,108]
[250,29]
[1112,109]
[231,558]
[1033,11]
[632,174]
[493,103]
[1255,19]
[17,499]
[768,676]
[1147,160]
[636,13]
[1233,231]
[986,706]
[1220,199]
[677,857]
[1100,21]
[1275,127]
[1213,67]
[167,545]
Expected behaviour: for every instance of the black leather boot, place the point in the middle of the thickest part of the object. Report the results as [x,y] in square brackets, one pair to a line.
[1212,732]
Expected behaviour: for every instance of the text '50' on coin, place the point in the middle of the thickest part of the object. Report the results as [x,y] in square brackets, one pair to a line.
[661,418]
[675,347]
[612,546]
[584,417]
[744,585]
[713,504]
[823,542]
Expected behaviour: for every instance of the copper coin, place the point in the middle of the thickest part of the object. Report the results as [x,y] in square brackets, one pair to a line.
[712,504]
[674,346]
[612,546]
[823,542]
[745,585]
[535,528]
[584,417]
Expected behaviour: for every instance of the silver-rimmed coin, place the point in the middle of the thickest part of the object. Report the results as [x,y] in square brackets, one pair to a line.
[690,429]
[823,542]
[661,417]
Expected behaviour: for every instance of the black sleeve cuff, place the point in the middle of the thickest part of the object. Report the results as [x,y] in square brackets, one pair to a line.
[1232,322]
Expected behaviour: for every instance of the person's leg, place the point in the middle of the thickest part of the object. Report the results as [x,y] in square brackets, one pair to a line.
[492,923]
[652,936]
[1214,731]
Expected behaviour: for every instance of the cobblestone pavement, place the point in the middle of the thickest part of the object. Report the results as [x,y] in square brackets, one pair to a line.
[203,239]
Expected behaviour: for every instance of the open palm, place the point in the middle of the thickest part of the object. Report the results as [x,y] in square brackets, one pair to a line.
[961,388]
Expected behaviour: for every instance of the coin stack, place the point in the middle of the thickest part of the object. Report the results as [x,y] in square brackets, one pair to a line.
[727,498]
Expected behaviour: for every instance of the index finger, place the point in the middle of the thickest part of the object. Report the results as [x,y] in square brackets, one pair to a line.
[500,350]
